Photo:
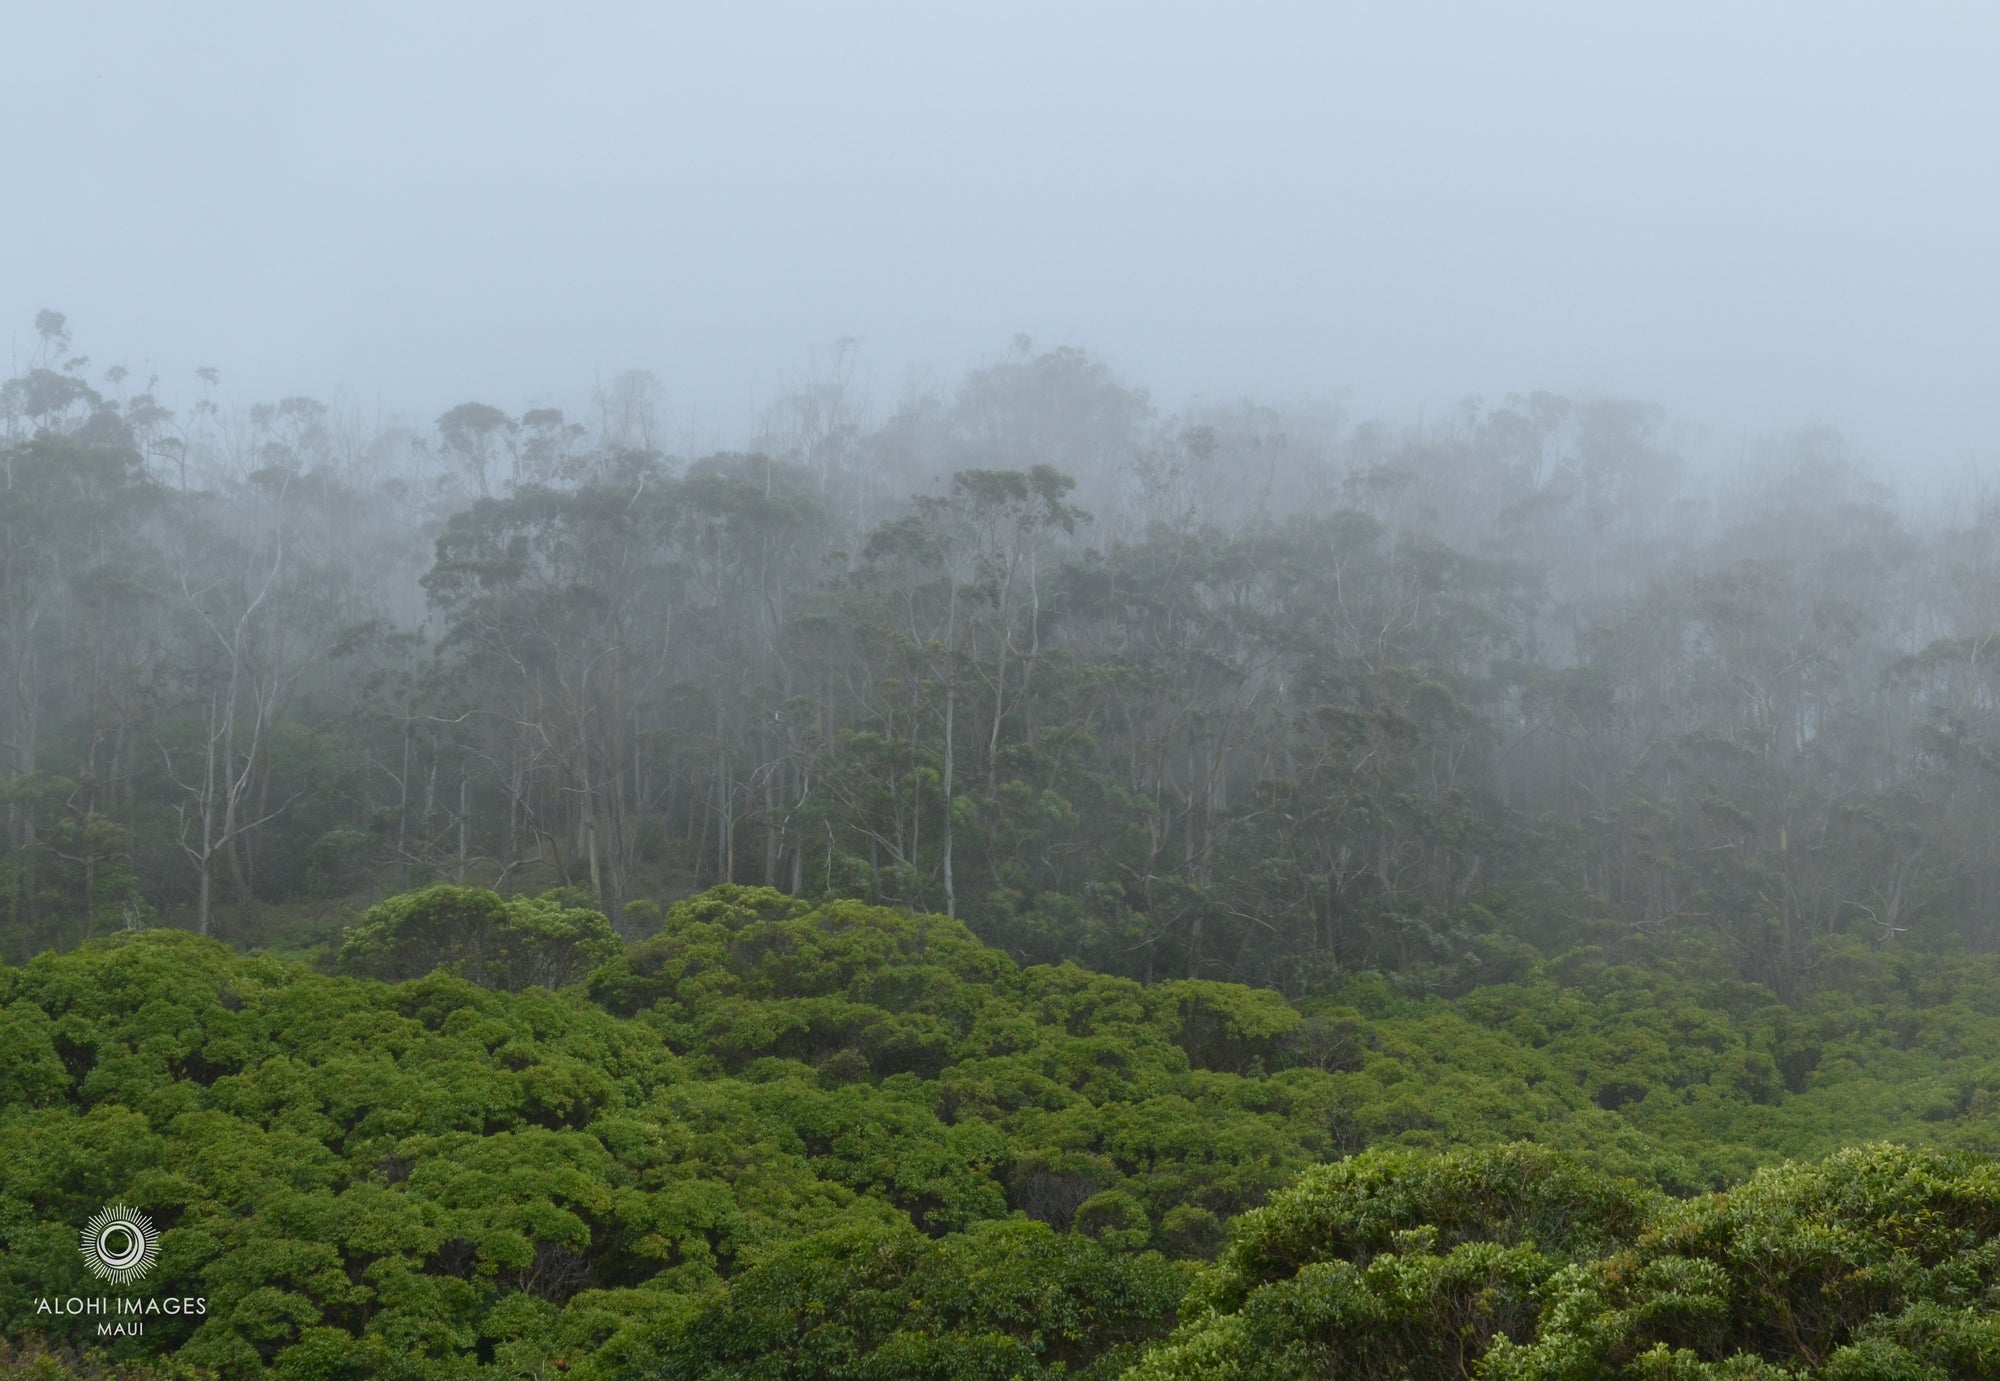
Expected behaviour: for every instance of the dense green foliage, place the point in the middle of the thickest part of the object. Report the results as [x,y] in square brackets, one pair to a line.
[778,1139]
[813,1128]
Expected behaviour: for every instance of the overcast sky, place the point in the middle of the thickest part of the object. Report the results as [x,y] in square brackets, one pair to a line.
[1758,215]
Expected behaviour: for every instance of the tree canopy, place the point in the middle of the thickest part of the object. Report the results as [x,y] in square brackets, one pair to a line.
[848,1140]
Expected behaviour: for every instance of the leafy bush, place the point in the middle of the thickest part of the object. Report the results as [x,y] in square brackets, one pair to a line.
[1516,1264]
[498,942]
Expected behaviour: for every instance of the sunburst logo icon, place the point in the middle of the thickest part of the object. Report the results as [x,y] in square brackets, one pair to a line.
[120,1244]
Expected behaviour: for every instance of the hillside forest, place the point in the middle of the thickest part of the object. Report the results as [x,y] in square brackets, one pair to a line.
[1023,884]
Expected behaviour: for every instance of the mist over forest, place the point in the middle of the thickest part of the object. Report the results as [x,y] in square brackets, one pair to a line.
[1299,728]
[1234,693]
[775,693]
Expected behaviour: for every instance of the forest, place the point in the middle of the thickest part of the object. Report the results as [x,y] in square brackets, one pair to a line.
[1025,885]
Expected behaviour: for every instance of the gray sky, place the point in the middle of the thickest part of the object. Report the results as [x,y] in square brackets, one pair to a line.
[1758,215]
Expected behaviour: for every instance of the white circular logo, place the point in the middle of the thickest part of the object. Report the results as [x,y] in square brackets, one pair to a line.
[120,1244]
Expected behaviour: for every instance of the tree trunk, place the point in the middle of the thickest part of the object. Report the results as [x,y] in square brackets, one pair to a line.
[950,888]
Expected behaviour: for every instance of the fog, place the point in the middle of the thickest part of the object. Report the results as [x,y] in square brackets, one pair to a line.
[1759,218]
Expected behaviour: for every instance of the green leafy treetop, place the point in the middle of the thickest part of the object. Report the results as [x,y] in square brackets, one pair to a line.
[1518,1264]
[508,943]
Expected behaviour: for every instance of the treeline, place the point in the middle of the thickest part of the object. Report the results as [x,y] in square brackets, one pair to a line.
[778,1140]
[1236,694]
